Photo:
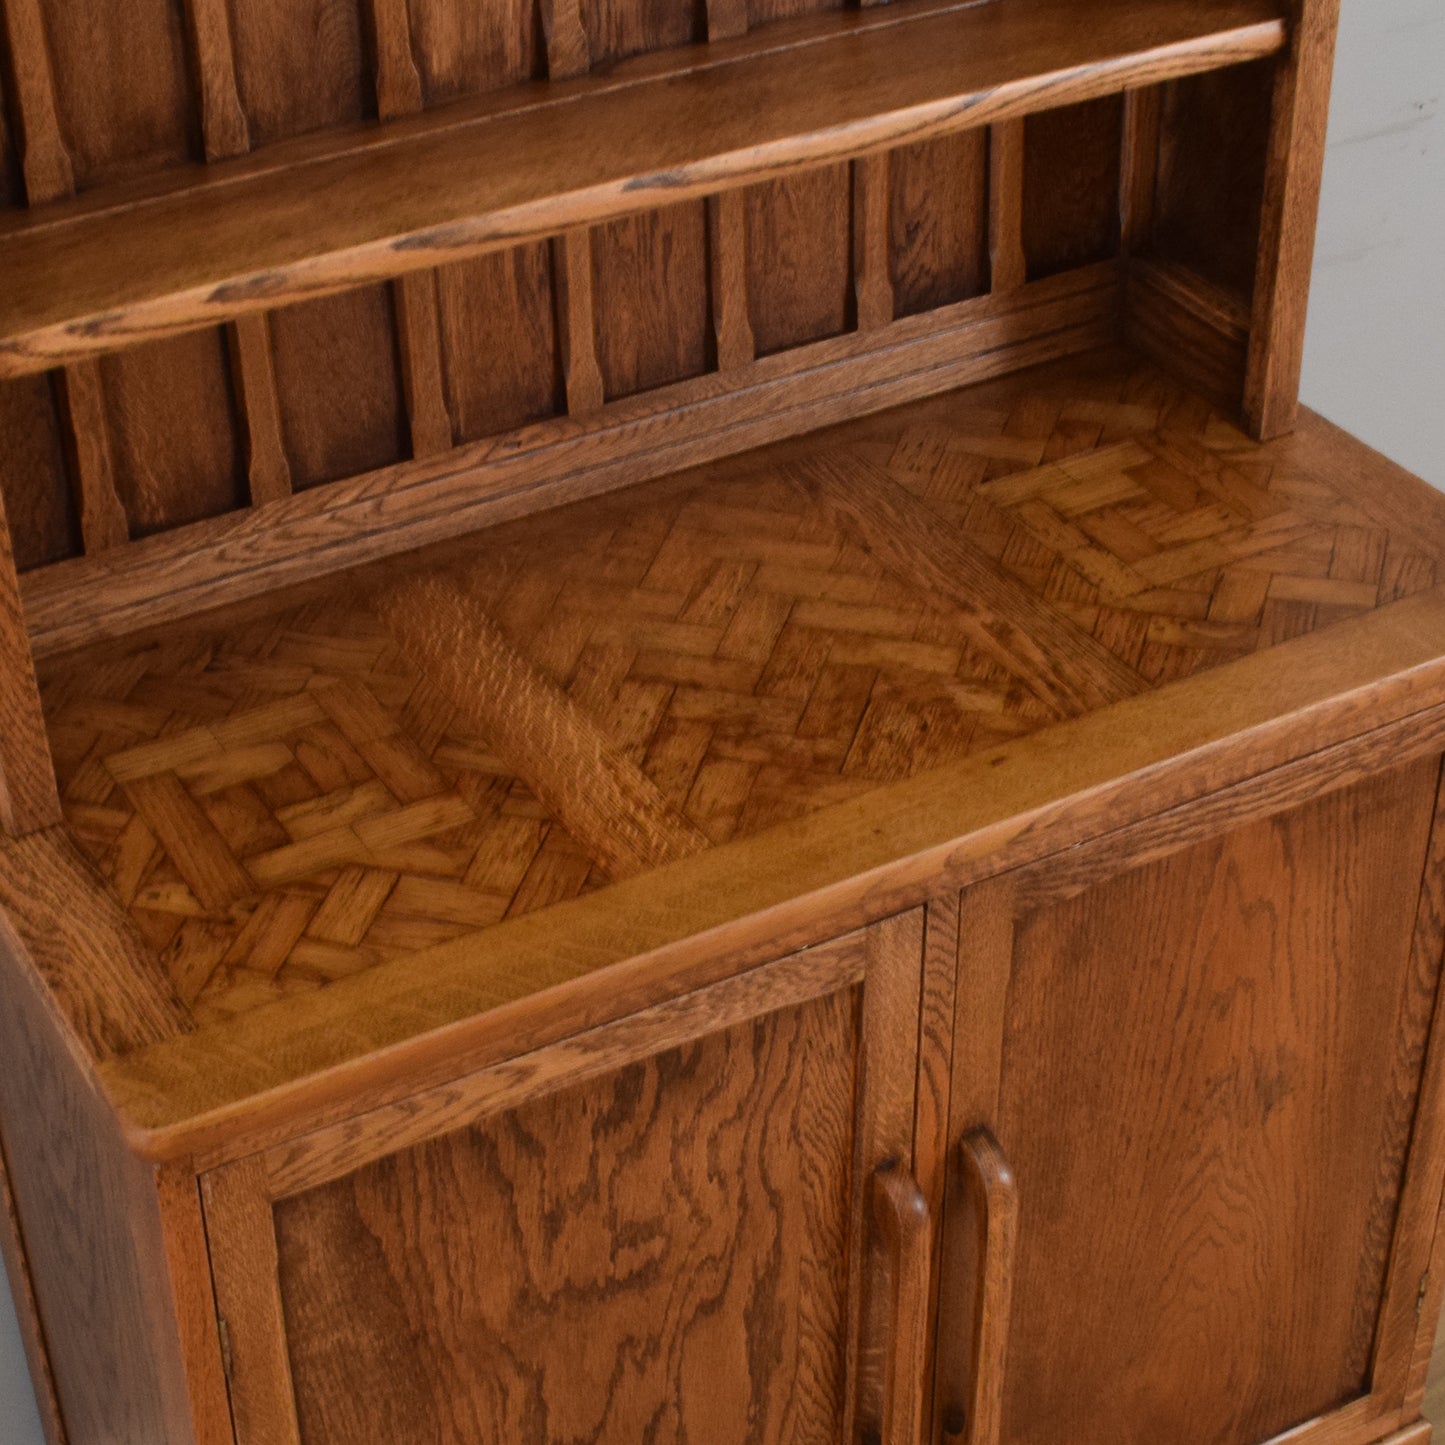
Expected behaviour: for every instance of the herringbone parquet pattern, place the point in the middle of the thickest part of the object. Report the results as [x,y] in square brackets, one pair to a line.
[582,695]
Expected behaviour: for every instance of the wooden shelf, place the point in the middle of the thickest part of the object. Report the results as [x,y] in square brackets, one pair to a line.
[107,271]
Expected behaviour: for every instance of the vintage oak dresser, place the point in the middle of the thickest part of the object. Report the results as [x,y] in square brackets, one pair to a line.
[695,749]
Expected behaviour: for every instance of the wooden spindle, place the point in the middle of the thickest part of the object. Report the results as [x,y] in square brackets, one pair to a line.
[28,797]
[726,19]
[1006,205]
[266,466]
[568,52]
[872,280]
[223,122]
[398,83]
[421,363]
[44,160]
[728,266]
[576,328]
[1139,168]
[102,518]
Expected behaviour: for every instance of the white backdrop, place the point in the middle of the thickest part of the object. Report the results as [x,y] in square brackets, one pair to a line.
[1375,358]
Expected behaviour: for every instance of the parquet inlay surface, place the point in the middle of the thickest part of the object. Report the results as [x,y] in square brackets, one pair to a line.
[432,745]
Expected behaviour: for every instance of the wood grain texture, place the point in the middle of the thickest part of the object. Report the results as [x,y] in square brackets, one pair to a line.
[733,340]
[172,431]
[119,120]
[28,799]
[45,160]
[1271,1152]
[188,257]
[419,333]
[398,82]
[568,51]
[939,235]
[223,122]
[463,50]
[619,28]
[1008,262]
[759,1222]
[577,321]
[901,1217]
[1139,169]
[601,797]
[872,274]
[1293,171]
[395,509]
[103,523]
[1071,185]
[93,1233]
[499,341]
[650,285]
[33,482]
[254,370]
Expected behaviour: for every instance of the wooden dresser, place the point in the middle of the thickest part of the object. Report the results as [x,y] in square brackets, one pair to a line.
[695,749]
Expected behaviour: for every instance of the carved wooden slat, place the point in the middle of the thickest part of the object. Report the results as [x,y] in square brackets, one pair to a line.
[422,378]
[728,265]
[398,83]
[726,19]
[44,158]
[267,467]
[576,320]
[102,518]
[1006,205]
[568,53]
[872,281]
[223,121]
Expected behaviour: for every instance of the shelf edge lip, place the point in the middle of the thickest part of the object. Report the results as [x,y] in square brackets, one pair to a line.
[288,273]
[1131,761]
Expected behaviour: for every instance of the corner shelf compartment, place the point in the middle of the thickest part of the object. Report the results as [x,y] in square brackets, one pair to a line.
[109,270]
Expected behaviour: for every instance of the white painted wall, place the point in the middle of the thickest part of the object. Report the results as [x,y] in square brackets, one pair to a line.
[1375,355]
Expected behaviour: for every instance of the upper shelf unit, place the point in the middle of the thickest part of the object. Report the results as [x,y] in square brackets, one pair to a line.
[202,245]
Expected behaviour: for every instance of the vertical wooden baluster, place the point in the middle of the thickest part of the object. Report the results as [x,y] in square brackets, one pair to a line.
[728,268]
[576,329]
[726,19]
[44,160]
[1287,230]
[102,518]
[28,797]
[1006,205]
[567,50]
[872,281]
[1139,168]
[398,85]
[398,92]
[223,122]
[266,465]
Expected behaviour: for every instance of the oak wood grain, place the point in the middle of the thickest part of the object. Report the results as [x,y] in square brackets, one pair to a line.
[206,254]
[255,374]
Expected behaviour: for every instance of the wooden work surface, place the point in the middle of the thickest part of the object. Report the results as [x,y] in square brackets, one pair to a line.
[345,780]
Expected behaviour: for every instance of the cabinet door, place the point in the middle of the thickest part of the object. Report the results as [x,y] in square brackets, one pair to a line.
[1183,1203]
[647,1233]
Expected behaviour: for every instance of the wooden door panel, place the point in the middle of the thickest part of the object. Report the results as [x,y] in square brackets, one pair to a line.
[1203,1069]
[651,1232]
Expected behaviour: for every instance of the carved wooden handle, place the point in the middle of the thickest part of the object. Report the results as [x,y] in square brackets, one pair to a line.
[993,1196]
[900,1214]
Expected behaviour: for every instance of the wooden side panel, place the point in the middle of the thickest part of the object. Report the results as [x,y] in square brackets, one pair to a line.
[1071,185]
[174,440]
[650,289]
[94,1237]
[619,28]
[300,66]
[464,50]
[800,258]
[1212,153]
[499,341]
[593,1266]
[37,495]
[939,222]
[122,86]
[760,12]
[1206,1101]
[341,404]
